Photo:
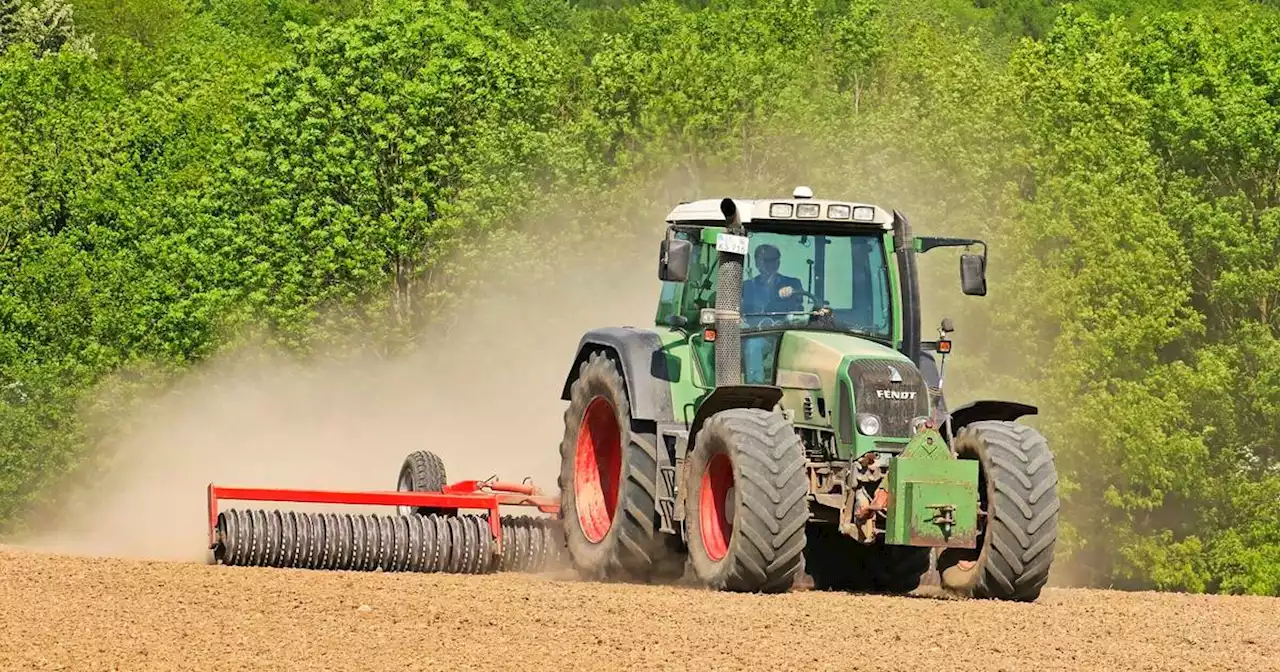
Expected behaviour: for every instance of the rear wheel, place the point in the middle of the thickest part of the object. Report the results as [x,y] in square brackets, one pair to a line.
[608,480]
[746,504]
[422,471]
[1017,490]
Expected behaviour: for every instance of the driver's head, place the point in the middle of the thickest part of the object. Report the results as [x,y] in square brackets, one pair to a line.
[767,258]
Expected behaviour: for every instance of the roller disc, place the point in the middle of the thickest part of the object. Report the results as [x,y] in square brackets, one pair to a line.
[554,536]
[373,543]
[413,527]
[473,545]
[351,541]
[257,552]
[479,544]
[461,547]
[340,542]
[273,539]
[315,542]
[494,557]
[245,537]
[486,544]
[444,543]
[330,552]
[224,544]
[248,532]
[346,544]
[359,544]
[537,550]
[504,560]
[386,548]
[288,539]
[403,547]
[524,544]
[325,542]
[436,542]
[320,541]
[233,547]
[302,541]
[306,541]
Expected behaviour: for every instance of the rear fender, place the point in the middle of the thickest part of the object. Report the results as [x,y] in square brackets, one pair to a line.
[643,361]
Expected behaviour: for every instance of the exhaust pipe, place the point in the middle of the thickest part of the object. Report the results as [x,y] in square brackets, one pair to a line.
[729,303]
[904,247]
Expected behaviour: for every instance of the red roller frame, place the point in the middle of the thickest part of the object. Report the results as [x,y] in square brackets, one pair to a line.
[488,495]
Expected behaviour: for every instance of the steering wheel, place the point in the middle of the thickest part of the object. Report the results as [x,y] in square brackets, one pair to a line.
[823,316]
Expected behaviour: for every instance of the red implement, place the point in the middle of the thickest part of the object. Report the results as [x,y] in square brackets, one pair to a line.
[486,495]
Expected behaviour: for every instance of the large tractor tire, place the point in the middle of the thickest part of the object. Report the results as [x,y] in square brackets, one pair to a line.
[1017,488]
[422,471]
[746,507]
[837,562]
[608,482]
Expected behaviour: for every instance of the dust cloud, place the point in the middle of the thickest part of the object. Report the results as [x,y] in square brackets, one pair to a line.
[485,397]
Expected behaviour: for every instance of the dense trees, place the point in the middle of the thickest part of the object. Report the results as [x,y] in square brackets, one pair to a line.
[174,175]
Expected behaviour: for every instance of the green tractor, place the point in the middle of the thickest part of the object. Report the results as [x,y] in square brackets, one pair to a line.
[783,416]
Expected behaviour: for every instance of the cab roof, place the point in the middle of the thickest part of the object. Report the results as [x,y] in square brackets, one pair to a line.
[801,208]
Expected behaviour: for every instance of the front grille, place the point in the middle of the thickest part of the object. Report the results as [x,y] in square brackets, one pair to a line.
[871,377]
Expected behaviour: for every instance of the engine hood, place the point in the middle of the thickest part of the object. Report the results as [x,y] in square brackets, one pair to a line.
[821,353]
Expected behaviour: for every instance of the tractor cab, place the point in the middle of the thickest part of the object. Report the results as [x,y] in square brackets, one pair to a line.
[802,268]
[808,265]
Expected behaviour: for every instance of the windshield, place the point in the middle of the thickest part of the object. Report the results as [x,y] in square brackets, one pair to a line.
[786,277]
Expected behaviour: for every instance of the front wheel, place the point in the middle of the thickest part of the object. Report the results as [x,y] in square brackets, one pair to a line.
[1017,491]
[747,504]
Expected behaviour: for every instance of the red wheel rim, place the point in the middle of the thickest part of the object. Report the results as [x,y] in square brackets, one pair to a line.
[714,504]
[597,465]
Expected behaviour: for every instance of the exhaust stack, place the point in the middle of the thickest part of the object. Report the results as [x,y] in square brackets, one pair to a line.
[729,300]
[904,248]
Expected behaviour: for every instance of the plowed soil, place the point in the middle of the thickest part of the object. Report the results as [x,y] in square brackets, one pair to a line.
[60,612]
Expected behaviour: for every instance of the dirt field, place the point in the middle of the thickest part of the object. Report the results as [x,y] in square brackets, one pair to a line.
[60,613]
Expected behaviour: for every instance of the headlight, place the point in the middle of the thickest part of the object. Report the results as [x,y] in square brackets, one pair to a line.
[917,424]
[868,424]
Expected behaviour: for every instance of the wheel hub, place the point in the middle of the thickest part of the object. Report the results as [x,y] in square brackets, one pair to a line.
[597,469]
[404,484]
[716,505]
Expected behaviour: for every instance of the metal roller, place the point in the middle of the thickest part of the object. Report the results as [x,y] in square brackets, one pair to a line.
[459,544]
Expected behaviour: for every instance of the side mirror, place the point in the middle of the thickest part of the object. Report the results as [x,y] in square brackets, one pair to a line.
[973,274]
[948,325]
[673,260]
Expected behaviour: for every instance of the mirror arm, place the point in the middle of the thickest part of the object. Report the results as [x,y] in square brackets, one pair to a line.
[926,243]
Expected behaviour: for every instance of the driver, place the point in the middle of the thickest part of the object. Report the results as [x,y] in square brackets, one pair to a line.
[771,291]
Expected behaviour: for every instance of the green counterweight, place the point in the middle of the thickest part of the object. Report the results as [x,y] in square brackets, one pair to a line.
[933,497]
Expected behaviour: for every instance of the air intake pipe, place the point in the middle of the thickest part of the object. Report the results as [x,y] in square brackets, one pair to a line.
[729,302]
[904,246]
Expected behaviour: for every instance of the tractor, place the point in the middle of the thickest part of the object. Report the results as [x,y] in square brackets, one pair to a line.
[783,415]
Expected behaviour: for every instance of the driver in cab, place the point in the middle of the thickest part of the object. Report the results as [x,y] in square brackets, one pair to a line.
[771,291]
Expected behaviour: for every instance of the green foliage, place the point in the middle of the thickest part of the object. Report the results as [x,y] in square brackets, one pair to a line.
[364,157]
[323,171]
[44,26]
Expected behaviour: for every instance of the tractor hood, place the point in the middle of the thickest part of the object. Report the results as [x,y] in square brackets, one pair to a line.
[857,376]
[822,352]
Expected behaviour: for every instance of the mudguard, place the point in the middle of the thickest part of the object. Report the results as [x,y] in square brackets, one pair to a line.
[989,409]
[726,397]
[644,367]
